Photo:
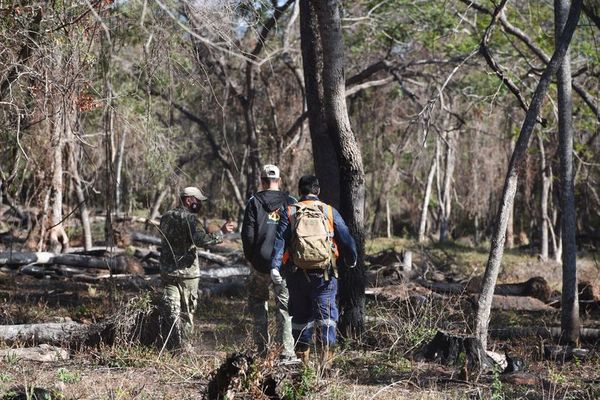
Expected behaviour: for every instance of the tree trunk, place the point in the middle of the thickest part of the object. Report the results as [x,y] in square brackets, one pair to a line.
[84,214]
[426,199]
[155,211]
[325,160]
[388,218]
[352,193]
[446,199]
[510,183]
[108,125]
[510,225]
[118,172]
[570,305]
[544,200]
[57,235]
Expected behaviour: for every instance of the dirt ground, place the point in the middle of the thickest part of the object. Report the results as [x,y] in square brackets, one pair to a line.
[379,367]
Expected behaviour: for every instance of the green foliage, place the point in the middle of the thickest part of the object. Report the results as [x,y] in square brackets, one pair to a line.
[497,387]
[66,376]
[302,386]
[11,359]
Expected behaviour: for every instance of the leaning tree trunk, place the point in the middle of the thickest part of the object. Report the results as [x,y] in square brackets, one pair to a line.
[426,198]
[325,160]
[510,183]
[119,172]
[352,192]
[155,210]
[570,305]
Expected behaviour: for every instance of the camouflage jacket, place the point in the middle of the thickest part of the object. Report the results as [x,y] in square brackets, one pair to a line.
[181,235]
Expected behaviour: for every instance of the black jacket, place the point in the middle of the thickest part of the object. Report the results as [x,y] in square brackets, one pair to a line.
[260,226]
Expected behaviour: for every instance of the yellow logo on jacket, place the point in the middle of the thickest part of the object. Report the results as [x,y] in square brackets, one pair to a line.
[274,216]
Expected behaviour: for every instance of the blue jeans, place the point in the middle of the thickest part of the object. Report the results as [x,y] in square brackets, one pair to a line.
[313,307]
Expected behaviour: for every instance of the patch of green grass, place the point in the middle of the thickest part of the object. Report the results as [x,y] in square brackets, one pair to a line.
[377,245]
[11,359]
[66,376]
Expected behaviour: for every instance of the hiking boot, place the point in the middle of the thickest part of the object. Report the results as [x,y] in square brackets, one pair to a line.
[303,355]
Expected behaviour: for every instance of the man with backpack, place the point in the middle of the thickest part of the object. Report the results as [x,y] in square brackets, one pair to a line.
[258,234]
[312,242]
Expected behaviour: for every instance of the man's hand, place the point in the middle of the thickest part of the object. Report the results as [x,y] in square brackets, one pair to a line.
[276,276]
[228,227]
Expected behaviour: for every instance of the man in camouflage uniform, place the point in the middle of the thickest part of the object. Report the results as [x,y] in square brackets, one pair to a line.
[181,235]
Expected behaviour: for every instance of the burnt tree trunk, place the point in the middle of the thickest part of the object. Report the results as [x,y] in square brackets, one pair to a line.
[325,160]
[510,183]
[462,351]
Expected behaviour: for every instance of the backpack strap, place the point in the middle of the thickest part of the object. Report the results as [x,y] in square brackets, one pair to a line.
[291,211]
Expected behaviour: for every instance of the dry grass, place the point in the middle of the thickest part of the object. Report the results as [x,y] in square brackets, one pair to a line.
[378,367]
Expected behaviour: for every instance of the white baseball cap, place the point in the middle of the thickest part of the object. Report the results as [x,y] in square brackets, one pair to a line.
[192,191]
[269,171]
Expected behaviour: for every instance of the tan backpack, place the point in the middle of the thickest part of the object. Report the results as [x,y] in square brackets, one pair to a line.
[312,245]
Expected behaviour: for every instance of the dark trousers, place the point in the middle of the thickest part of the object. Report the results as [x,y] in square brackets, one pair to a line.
[313,308]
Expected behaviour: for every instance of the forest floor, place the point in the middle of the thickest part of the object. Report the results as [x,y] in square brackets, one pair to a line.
[380,366]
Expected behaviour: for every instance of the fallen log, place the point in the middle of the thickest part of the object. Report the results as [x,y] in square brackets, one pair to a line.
[214,257]
[565,353]
[402,292]
[145,238]
[87,278]
[69,333]
[155,240]
[222,289]
[588,291]
[517,303]
[41,353]
[118,264]
[536,287]
[122,218]
[219,272]
[517,332]
[96,251]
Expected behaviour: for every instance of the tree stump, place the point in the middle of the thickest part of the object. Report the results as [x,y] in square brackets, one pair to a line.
[461,351]
[244,376]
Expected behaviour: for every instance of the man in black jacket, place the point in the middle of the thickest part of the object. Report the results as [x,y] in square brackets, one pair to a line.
[258,235]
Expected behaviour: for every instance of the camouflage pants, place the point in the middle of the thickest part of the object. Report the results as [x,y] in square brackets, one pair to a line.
[180,298]
[258,301]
